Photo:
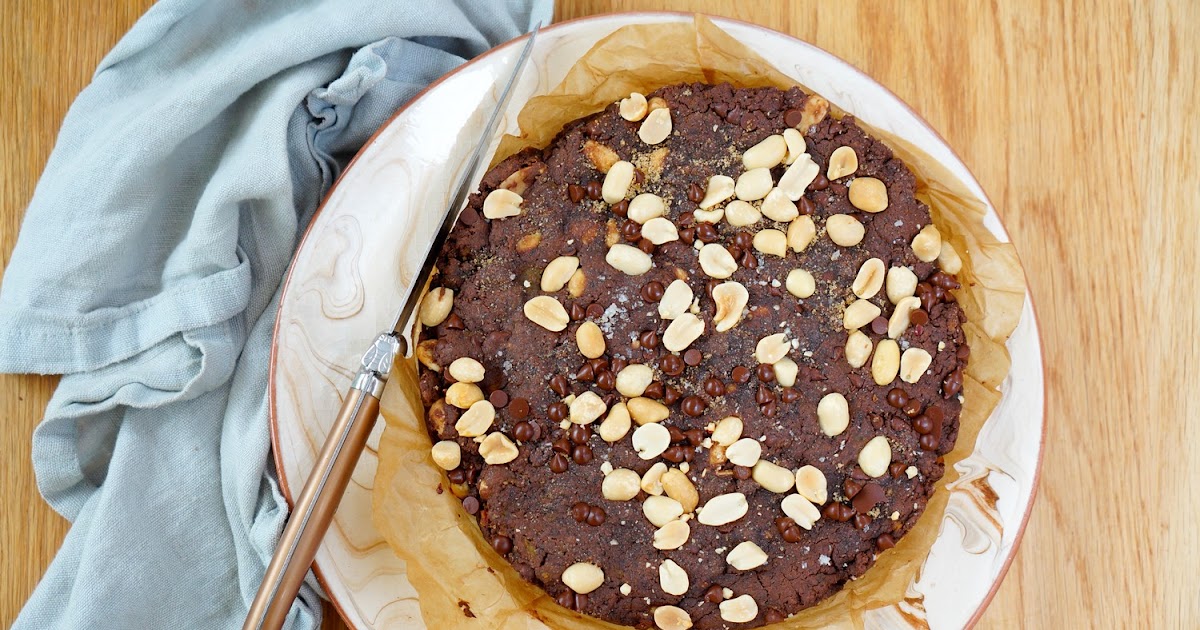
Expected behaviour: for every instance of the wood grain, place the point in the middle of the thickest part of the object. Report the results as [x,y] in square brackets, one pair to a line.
[1077,117]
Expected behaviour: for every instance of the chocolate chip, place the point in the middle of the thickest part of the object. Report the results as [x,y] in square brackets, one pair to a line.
[519,408]
[559,463]
[765,372]
[575,192]
[806,206]
[579,433]
[579,511]
[559,384]
[743,240]
[594,189]
[557,411]
[885,542]
[851,488]
[693,357]
[918,317]
[582,454]
[655,390]
[618,364]
[870,496]
[569,599]
[789,395]
[606,380]
[577,312]
[631,231]
[764,395]
[639,177]
[652,291]
[740,374]
[710,286]
[714,594]
[944,280]
[457,476]
[498,398]
[471,505]
[561,445]
[676,434]
[741,473]
[861,521]
[695,193]
[820,182]
[928,442]
[788,529]
[502,544]
[897,398]
[922,424]
[694,406]
[675,454]
[793,117]
[812,373]
[595,311]
[694,436]
[769,409]
[671,395]
[714,387]
[953,383]
[688,235]
[706,233]
[454,322]
[585,373]
[748,260]
[646,246]
[962,352]
[735,252]
[596,516]
[621,208]
[927,296]
[524,431]
[879,325]
[912,408]
[896,469]
[671,365]
[470,216]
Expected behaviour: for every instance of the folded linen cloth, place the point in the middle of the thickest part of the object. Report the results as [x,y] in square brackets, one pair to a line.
[148,271]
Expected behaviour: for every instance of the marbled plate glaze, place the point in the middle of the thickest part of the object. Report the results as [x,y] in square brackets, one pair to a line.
[363,246]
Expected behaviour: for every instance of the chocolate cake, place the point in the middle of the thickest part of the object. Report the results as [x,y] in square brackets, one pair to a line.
[695,363]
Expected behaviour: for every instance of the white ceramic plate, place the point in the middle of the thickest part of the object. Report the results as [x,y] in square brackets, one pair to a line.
[346,282]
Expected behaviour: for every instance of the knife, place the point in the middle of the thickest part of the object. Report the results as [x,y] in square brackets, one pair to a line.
[326,484]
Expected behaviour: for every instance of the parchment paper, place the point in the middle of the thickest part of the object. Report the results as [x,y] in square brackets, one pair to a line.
[462,582]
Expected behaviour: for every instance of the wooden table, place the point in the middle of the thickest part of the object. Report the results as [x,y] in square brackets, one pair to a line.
[1079,118]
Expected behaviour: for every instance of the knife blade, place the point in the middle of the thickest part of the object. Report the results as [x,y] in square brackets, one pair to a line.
[465,185]
[335,463]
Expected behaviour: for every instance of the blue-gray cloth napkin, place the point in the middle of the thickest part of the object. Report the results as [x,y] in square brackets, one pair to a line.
[148,271]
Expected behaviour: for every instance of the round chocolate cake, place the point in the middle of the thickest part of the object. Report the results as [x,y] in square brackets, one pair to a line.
[695,363]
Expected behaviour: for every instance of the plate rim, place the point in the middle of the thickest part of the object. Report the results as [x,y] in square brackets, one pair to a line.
[272,415]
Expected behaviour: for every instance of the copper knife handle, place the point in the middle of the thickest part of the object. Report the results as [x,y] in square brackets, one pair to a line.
[316,505]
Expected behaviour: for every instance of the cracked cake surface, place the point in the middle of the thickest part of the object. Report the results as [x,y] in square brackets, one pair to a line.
[695,363]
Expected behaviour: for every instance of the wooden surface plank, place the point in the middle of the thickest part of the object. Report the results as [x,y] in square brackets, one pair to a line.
[1077,117]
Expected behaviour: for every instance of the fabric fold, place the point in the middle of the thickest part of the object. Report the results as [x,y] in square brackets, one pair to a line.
[148,271]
